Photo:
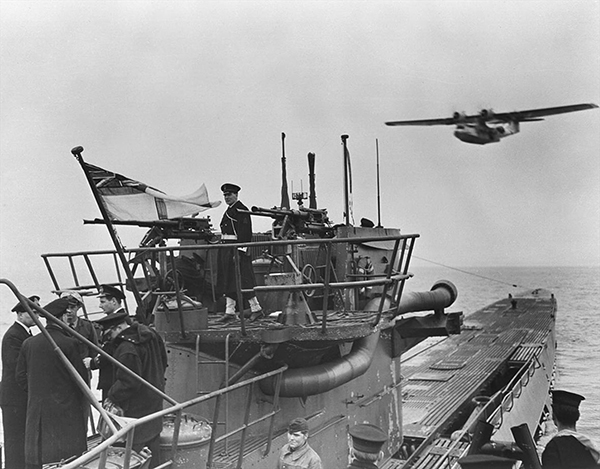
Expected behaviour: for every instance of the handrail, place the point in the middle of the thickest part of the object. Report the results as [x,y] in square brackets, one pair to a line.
[273,242]
[123,432]
[507,392]
[392,281]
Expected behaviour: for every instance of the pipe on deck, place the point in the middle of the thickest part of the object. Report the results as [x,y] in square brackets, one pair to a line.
[302,382]
[442,294]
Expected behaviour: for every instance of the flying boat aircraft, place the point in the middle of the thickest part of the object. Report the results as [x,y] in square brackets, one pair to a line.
[490,127]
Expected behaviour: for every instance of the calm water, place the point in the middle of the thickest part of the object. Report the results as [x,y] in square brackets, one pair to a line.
[578,323]
[577,291]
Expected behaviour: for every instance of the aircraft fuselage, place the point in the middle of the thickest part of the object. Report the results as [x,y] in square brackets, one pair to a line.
[481,133]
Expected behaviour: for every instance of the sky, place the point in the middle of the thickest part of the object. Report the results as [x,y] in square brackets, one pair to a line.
[180,93]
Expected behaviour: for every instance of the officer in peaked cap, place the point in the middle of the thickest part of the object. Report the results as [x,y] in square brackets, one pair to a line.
[229,187]
[108,291]
[56,425]
[19,308]
[110,302]
[236,227]
[568,448]
[367,440]
[13,399]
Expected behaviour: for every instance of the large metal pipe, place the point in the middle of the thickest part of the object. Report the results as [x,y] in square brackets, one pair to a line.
[442,294]
[302,382]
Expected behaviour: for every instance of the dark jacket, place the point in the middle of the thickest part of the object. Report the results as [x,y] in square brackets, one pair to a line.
[87,330]
[56,427]
[567,452]
[142,350]
[236,227]
[236,223]
[10,392]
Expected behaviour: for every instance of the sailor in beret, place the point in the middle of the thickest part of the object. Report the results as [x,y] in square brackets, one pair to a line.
[56,424]
[568,448]
[297,453]
[366,443]
[13,399]
[236,227]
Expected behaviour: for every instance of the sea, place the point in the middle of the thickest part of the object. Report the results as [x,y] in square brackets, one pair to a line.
[577,290]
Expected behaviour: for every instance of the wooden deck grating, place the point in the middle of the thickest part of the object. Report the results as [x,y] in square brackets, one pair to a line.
[440,382]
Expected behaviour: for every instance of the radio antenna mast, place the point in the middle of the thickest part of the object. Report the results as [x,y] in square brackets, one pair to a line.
[378,189]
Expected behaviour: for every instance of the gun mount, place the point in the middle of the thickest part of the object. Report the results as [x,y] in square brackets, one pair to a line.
[291,223]
[180,228]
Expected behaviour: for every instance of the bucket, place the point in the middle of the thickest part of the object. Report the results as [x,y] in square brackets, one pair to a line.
[192,444]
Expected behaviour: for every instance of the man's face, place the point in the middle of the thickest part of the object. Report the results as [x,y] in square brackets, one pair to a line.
[71,315]
[113,331]
[230,197]
[26,319]
[297,439]
[108,305]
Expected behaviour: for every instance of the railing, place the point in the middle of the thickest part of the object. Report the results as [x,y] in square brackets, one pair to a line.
[127,431]
[501,402]
[391,281]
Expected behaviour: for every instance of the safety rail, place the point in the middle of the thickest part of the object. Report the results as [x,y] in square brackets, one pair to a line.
[492,412]
[392,281]
[126,432]
[128,429]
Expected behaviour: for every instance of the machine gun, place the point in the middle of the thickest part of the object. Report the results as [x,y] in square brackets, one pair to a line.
[290,223]
[179,228]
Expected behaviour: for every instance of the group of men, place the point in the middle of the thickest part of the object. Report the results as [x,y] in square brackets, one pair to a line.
[366,442]
[45,408]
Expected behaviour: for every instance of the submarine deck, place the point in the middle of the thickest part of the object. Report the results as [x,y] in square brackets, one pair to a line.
[440,381]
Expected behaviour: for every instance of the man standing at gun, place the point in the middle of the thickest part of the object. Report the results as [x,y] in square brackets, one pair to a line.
[236,227]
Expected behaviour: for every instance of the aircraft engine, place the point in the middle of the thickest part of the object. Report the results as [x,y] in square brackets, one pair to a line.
[486,114]
[459,116]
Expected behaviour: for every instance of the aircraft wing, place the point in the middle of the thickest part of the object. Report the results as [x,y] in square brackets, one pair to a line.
[535,114]
[442,121]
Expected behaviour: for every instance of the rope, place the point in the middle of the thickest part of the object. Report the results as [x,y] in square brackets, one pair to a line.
[469,273]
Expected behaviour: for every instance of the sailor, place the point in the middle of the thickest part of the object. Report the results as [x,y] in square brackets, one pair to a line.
[56,427]
[568,448]
[111,299]
[142,350]
[366,443]
[13,398]
[297,453]
[79,324]
[236,227]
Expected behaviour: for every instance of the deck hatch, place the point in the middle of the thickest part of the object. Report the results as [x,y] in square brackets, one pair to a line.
[427,376]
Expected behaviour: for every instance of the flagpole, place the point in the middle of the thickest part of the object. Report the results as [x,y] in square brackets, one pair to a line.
[111,229]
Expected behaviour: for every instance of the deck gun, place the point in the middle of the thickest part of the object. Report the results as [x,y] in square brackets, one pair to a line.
[290,223]
[159,230]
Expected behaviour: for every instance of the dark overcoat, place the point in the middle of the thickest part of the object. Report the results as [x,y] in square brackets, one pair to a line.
[567,452]
[56,427]
[236,227]
[142,350]
[13,398]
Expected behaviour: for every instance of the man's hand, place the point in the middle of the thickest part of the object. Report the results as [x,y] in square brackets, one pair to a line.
[87,361]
